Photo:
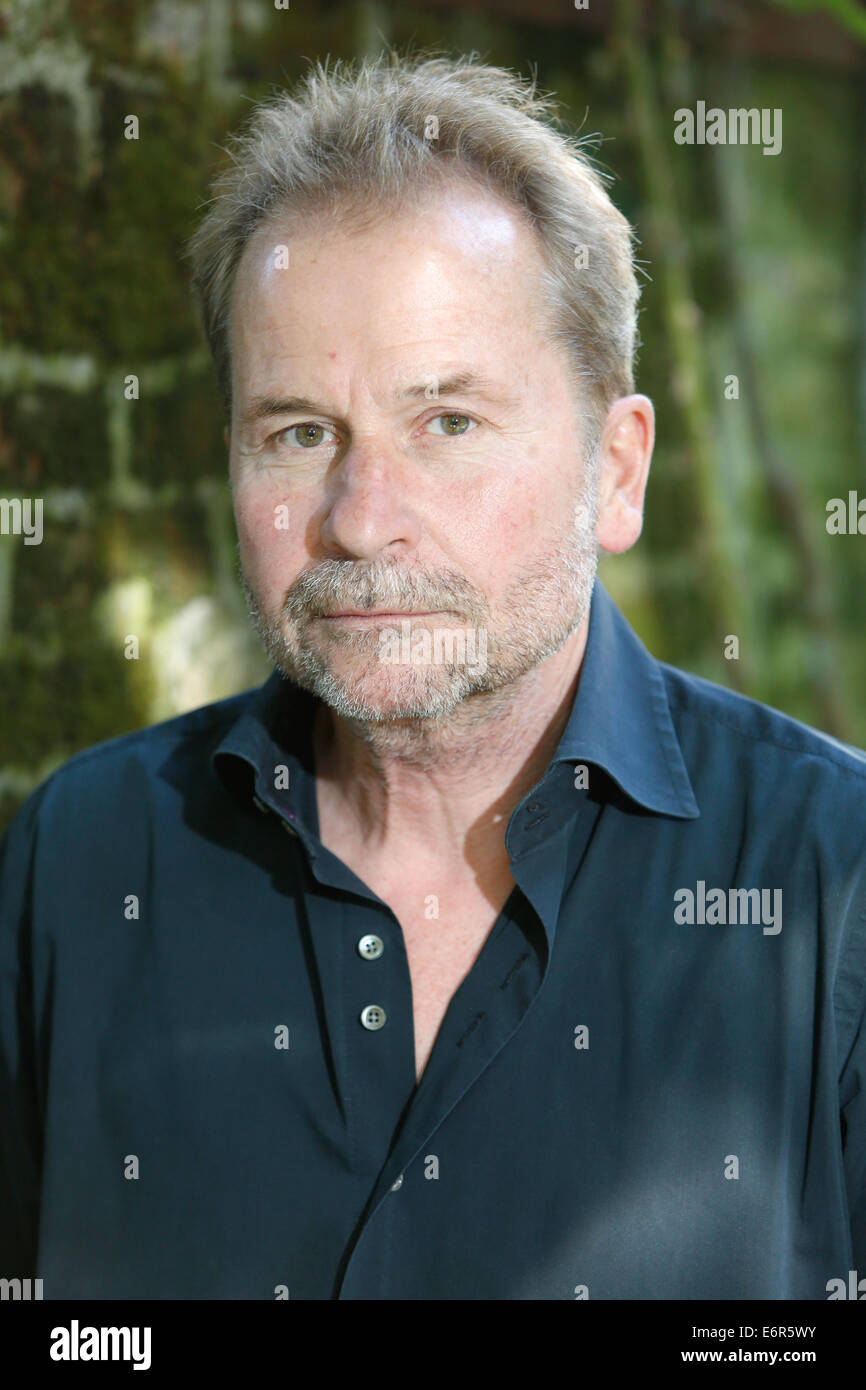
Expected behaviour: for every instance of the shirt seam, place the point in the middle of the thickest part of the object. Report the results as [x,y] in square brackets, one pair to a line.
[824,754]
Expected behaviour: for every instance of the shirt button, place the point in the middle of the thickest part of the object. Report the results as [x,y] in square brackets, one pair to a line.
[395,1186]
[373,1017]
[371,947]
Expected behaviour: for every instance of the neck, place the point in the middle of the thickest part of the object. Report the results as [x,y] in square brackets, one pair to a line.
[436,784]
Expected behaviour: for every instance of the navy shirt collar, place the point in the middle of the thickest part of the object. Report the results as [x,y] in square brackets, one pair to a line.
[620,722]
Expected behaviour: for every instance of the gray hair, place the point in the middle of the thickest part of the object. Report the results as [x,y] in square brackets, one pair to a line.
[359,138]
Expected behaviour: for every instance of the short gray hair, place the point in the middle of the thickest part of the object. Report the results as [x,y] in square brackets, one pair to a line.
[362,136]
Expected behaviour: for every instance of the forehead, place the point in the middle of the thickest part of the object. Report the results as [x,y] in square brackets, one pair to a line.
[449,246]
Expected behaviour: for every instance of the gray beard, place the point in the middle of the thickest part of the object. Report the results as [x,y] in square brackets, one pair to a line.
[429,703]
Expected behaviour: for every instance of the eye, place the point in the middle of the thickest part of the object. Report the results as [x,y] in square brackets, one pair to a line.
[306,436]
[453,424]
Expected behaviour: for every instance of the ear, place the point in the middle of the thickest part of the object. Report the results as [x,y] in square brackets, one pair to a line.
[625,451]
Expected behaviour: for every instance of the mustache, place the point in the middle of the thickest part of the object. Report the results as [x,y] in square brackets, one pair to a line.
[335,584]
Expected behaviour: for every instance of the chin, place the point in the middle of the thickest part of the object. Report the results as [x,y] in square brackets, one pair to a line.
[387,695]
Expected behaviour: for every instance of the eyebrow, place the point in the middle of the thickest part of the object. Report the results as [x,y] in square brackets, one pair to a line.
[459,383]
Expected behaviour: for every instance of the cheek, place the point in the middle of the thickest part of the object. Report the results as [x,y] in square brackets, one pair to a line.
[270,531]
[507,519]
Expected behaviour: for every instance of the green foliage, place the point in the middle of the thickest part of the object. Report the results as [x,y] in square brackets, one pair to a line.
[93,288]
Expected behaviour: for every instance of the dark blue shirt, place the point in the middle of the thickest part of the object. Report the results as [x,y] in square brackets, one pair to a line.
[650,1085]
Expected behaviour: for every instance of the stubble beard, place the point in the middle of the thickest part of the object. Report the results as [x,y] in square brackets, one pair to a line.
[392,704]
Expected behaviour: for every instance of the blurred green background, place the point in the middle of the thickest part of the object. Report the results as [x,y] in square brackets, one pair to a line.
[752,266]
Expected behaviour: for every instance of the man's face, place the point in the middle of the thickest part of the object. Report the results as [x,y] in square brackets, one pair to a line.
[357,488]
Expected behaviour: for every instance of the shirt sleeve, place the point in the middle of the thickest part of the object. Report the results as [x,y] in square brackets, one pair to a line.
[20,1109]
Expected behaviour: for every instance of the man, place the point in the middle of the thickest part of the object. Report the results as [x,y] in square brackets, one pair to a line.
[476,954]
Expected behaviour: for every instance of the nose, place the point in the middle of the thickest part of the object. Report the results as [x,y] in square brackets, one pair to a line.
[369,511]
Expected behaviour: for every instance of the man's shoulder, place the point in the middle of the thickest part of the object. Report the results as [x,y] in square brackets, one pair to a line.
[121,765]
[705,714]
[155,742]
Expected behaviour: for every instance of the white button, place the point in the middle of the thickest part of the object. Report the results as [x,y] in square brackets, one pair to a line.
[373,1017]
[395,1186]
[370,947]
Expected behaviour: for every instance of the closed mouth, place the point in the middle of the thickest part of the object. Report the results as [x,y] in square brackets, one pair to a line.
[382,613]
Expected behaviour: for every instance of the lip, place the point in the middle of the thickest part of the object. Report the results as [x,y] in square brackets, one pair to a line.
[370,614]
